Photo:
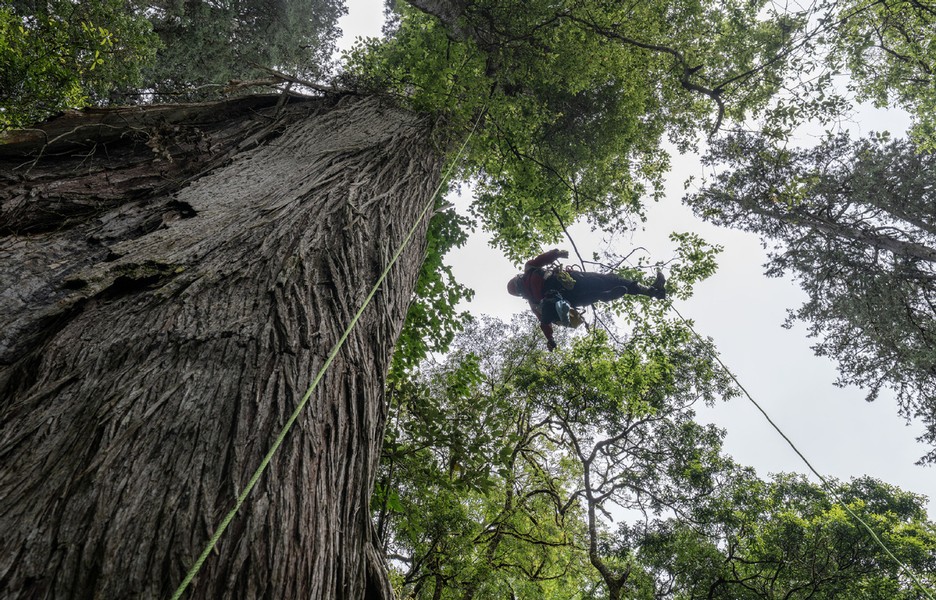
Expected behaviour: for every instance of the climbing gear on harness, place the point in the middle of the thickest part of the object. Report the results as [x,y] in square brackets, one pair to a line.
[563,277]
[562,309]
[575,318]
[556,309]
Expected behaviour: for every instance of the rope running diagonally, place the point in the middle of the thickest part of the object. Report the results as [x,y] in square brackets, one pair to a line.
[196,567]
[825,482]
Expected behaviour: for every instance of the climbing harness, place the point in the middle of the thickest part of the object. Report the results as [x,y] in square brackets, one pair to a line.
[554,307]
[563,277]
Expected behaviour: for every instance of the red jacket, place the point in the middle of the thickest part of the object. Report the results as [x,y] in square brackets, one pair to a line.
[533,284]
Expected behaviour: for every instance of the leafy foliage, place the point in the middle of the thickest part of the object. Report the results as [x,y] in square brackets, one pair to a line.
[854,222]
[505,468]
[576,98]
[432,321]
[623,416]
[462,511]
[784,539]
[61,54]
[205,45]
[888,49]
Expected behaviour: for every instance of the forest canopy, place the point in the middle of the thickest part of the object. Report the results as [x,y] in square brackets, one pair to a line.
[505,470]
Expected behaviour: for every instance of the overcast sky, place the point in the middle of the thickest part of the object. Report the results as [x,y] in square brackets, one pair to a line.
[839,433]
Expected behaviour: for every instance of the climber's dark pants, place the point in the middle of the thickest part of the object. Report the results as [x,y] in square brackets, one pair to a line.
[594,287]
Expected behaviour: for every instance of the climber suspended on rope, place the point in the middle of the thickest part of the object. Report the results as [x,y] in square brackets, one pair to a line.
[555,293]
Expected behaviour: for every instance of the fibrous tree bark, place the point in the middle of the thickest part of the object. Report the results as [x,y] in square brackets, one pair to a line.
[171,279]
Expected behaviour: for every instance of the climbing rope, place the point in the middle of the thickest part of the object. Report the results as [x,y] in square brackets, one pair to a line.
[826,484]
[196,567]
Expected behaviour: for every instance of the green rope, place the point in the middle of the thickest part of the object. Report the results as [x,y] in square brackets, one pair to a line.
[193,571]
[824,481]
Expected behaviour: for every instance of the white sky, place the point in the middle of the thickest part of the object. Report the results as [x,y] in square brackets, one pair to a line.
[840,434]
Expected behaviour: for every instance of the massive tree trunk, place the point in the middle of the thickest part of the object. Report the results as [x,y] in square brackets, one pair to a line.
[171,279]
